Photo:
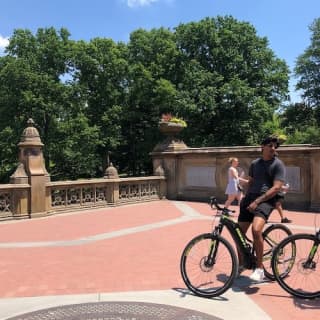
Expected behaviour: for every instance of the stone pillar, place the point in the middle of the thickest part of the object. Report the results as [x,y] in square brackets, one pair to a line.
[169,163]
[20,207]
[159,171]
[31,158]
[315,181]
[113,188]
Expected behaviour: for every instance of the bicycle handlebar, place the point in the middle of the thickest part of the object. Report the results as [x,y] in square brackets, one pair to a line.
[214,203]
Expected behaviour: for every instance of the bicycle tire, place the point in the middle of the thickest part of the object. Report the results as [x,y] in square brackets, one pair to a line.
[272,236]
[300,281]
[201,279]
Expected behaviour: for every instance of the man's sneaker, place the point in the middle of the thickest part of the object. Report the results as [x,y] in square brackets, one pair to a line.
[257,275]
[286,220]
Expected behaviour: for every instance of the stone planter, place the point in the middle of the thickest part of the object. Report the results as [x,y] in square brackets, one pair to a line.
[170,128]
[171,142]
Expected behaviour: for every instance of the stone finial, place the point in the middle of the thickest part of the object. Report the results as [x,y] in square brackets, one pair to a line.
[111,172]
[30,136]
[20,175]
[159,171]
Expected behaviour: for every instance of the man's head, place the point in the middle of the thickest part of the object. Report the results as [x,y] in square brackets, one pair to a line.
[269,146]
[271,140]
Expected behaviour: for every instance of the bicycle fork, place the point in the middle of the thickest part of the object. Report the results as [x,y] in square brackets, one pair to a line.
[310,264]
[211,258]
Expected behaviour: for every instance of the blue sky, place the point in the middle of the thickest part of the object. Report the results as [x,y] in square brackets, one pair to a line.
[284,22]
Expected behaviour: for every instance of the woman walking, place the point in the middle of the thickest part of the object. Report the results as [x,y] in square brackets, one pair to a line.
[233,189]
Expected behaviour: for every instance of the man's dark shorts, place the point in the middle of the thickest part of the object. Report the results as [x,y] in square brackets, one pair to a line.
[263,210]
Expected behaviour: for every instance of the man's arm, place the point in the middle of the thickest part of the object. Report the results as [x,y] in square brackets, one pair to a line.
[277,184]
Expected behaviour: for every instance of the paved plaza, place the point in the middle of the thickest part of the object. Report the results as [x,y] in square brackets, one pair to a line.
[123,263]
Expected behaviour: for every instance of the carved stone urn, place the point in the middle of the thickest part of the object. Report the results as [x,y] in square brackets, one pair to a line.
[170,128]
[171,143]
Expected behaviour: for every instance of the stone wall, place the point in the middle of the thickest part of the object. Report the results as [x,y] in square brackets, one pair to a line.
[197,173]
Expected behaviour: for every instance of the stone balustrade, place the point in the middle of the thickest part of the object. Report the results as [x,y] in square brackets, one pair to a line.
[180,173]
[31,193]
[62,196]
[14,201]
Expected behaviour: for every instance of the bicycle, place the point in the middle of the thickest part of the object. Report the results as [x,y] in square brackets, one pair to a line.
[297,257]
[209,263]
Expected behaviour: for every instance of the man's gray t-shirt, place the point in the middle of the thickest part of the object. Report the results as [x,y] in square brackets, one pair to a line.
[264,173]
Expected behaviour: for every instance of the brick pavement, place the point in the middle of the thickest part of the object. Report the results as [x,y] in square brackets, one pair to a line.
[128,253]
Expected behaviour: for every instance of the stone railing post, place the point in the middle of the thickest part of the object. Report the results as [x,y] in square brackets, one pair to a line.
[32,168]
[159,171]
[20,208]
[113,191]
[169,163]
[315,181]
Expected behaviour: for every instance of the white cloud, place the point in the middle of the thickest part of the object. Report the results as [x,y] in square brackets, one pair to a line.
[3,42]
[139,3]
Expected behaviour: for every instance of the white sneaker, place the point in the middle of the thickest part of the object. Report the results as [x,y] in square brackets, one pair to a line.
[257,275]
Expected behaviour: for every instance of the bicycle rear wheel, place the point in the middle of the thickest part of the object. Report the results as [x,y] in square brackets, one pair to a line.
[302,273]
[208,265]
[272,236]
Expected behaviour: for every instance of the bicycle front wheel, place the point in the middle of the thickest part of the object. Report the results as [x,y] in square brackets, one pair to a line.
[272,236]
[208,265]
[301,268]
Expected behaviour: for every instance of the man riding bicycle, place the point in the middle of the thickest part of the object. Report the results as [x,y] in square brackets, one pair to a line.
[266,177]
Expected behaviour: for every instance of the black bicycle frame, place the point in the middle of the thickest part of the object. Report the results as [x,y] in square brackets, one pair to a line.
[238,237]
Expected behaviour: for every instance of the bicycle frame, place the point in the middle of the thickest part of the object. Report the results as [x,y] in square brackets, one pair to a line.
[238,237]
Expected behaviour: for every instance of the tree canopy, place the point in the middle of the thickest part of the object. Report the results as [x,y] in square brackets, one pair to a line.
[301,120]
[99,98]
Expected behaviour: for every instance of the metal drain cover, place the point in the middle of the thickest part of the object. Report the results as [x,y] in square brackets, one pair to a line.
[115,311]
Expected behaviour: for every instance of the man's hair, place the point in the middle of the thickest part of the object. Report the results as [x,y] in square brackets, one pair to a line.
[271,139]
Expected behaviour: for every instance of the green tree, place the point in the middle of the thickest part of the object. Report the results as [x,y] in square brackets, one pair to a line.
[301,120]
[32,85]
[230,79]
[100,78]
[307,70]
[90,98]
[75,157]
[152,59]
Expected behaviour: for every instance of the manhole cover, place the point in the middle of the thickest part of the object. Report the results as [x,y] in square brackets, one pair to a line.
[115,311]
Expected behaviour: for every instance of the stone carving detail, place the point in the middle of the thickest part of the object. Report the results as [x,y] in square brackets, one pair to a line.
[81,196]
[101,194]
[73,196]
[138,191]
[58,197]
[111,172]
[5,202]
